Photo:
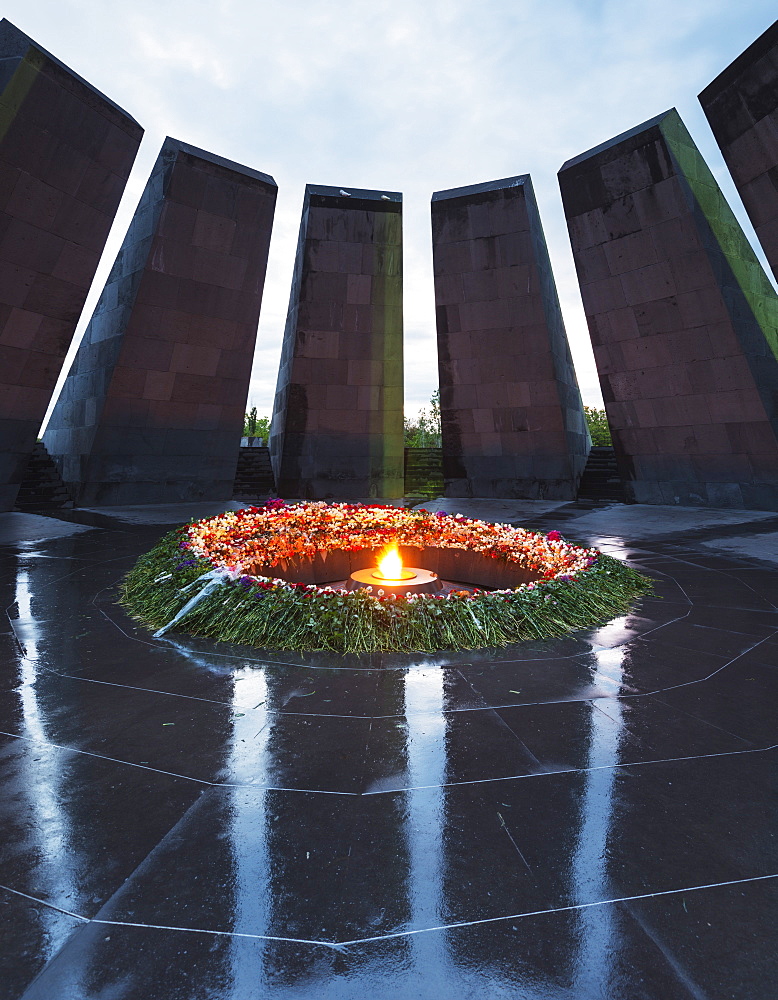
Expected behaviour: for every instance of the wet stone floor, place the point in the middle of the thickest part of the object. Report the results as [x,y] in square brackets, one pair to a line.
[591,817]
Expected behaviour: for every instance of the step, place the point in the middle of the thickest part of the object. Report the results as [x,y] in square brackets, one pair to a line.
[42,488]
[254,475]
[600,479]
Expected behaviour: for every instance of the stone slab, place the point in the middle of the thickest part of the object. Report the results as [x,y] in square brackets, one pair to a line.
[683,321]
[511,413]
[152,409]
[741,105]
[66,151]
[337,427]
[583,817]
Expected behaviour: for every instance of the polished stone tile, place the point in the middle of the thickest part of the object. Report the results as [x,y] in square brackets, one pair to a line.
[321,692]
[663,732]
[701,586]
[269,862]
[434,749]
[694,822]
[608,732]
[594,953]
[178,735]
[74,826]
[645,666]
[218,744]
[741,699]
[10,666]
[502,784]
[763,579]
[615,832]
[98,651]
[661,609]
[565,646]
[31,935]
[527,682]
[713,939]
[757,623]
[329,867]
[631,626]
[18,527]
[321,753]
[574,735]
[684,635]
[414,866]
[422,689]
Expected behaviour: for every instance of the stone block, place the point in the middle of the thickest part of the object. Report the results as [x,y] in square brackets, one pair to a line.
[512,419]
[741,105]
[684,325]
[152,409]
[337,428]
[60,190]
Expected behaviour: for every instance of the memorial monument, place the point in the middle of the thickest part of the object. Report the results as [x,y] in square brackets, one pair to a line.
[152,409]
[741,105]
[65,154]
[683,321]
[512,419]
[337,428]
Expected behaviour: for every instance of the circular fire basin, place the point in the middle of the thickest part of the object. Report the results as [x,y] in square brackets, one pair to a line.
[273,578]
[415,581]
[469,568]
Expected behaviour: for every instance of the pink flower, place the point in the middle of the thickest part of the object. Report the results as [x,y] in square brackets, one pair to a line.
[553,536]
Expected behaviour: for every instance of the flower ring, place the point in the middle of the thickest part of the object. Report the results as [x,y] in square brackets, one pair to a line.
[263,577]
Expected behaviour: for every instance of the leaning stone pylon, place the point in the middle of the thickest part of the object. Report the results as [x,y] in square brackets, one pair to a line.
[741,105]
[65,154]
[337,426]
[683,321]
[152,409]
[512,418]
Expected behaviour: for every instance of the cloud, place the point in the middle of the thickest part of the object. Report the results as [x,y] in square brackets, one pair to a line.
[181,55]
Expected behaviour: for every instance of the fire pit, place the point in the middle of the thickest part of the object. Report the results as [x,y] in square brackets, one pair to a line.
[306,576]
[391,577]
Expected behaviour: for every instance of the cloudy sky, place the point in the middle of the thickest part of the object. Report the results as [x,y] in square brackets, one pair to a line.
[409,95]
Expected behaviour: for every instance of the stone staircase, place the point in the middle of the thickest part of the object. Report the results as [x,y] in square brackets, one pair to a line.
[424,472]
[42,488]
[254,476]
[601,480]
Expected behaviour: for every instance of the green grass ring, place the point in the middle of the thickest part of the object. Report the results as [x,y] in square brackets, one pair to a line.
[203,579]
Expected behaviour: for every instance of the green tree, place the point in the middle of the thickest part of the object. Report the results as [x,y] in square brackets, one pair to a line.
[254,426]
[598,426]
[424,431]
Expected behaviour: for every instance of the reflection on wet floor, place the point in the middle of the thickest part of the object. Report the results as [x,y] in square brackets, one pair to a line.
[585,817]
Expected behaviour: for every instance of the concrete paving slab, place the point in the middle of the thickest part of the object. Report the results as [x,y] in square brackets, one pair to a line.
[16,526]
[166,513]
[760,546]
[638,521]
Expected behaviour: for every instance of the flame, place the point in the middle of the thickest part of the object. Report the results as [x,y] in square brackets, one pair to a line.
[390,565]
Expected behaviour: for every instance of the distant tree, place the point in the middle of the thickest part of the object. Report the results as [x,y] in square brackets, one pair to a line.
[254,426]
[598,426]
[435,411]
[424,431]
